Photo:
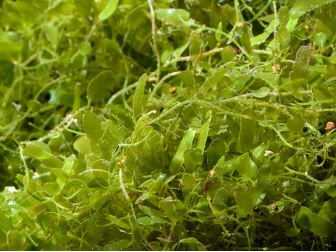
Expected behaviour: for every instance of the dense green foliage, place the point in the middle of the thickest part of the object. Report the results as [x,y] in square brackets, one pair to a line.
[167,125]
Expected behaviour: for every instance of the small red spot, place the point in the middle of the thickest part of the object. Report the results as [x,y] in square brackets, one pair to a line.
[207,185]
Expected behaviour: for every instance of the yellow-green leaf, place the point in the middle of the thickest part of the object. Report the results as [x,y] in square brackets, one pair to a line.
[138,95]
[108,10]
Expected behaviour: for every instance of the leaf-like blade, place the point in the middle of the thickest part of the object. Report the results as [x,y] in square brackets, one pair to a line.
[100,86]
[300,67]
[296,123]
[302,6]
[315,223]
[118,246]
[186,142]
[83,6]
[192,158]
[204,132]
[244,200]
[172,16]
[138,95]
[109,9]
[92,126]
[261,93]
[247,130]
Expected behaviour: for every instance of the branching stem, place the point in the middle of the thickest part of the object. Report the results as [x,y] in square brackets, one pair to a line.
[156,47]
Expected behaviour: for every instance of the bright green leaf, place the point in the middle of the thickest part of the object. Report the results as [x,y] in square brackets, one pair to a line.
[92,126]
[169,210]
[192,158]
[172,16]
[85,48]
[191,240]
[228,54]
[186,143]
[204,132]
[5,223]
[320,39]
[268,77]
[291,232]
[295,123]
[82,145]
[108,10]
[151,212]
[261,38]
[244,165]
[150,221]
[220,29]
[302,6]
[41,151]
[52,34]
[34,105]
[261,93]
[300,67]
[212,83]
[69,164]
[138,96]
[219,168]
[283,15]
[188,181]
[119,222]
